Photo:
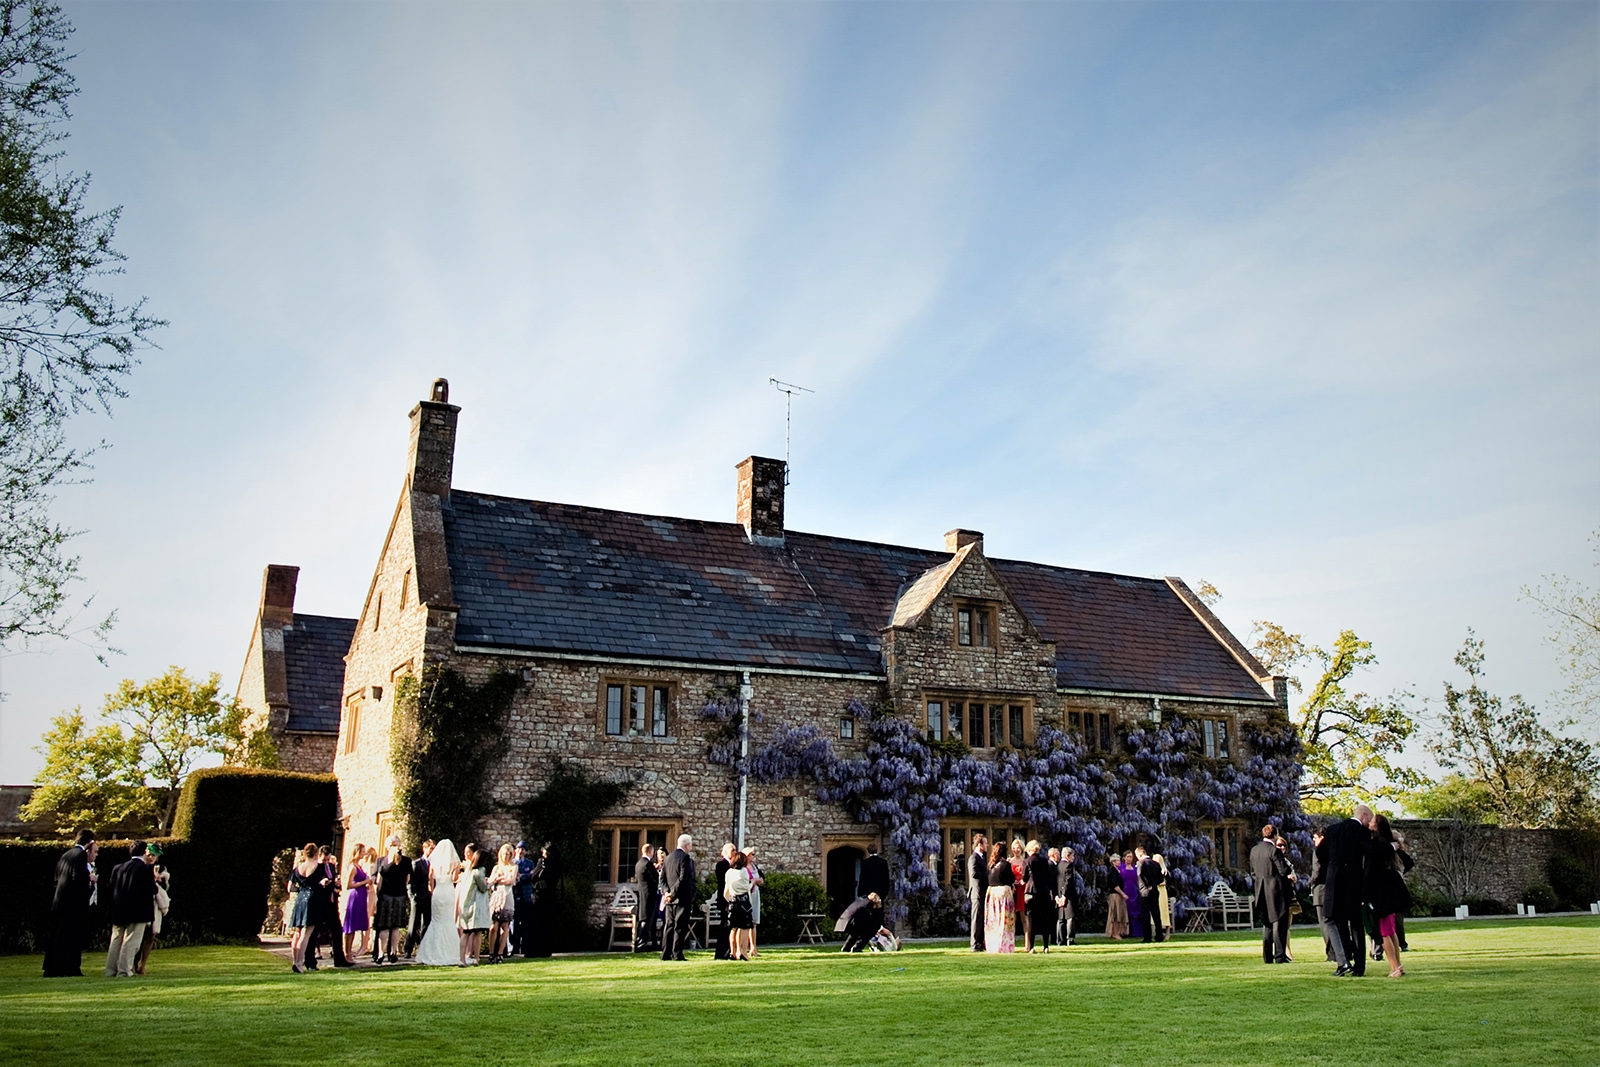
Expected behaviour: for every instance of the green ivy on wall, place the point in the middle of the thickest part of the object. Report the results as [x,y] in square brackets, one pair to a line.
[447,735]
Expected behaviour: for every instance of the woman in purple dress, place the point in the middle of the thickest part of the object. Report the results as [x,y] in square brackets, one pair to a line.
[1130,886]
[356,917]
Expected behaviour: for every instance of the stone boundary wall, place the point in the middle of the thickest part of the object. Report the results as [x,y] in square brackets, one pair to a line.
[1466,860]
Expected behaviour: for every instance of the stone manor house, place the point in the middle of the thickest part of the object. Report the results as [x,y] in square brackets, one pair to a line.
[621,625]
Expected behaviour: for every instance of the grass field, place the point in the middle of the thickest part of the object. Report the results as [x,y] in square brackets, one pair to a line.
[1490,992]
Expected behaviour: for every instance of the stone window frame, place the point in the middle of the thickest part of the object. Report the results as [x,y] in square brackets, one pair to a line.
[984,615]
[352,724]
[965,825]
[1104,737]
[1007,703]
[652,687]
[615,828]
[1217,744]
[1228,839]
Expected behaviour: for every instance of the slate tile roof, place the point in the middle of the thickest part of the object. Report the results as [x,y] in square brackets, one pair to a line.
[558,577]
[314,648]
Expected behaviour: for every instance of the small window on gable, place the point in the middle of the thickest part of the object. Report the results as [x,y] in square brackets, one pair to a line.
[377,612]
[975,625]
[405,595]
[1214,739]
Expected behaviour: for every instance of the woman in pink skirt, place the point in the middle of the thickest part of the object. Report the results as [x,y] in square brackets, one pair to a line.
[999,906]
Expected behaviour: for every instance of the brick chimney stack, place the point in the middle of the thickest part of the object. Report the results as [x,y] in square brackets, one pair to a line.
[433,442]
[277,594]
[761,500]
[957,539]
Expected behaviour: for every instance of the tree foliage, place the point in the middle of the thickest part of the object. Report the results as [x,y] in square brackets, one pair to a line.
[177,722]
[1528,775]
[66,343]
[134,765]
[1353,741]
[91,778]
[1574,610]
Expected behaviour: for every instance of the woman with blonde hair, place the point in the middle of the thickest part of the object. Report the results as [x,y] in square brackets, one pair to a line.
[502,908]
[1164,911]
[357,919]
[472,902]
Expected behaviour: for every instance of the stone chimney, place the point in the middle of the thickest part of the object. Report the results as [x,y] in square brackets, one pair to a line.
[277,594]
[761,500]
[956,540]
[433,442]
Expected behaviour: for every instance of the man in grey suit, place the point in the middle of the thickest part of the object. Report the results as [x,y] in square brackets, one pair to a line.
[1273,877]
[678,892]
[977,887]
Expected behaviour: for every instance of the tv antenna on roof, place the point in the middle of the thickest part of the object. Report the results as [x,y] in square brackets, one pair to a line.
[788,389]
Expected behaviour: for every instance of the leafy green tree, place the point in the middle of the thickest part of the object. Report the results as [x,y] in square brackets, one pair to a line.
[1528,774]
[91,778]
[66,343]
[176,722]
[1353,741]
[1453,797]
[1574,610]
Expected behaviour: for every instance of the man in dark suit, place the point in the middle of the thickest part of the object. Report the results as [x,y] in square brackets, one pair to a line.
[1273,877]
[977,887]
[1344,857]
[677,891]
[1066,895]
[874,876]
[133,908]
[1319,894]
[1149,881]
[647,883]
[861,922]
[69,908]
[422,901]
[1039,897]
[541,942]
[719,902]
[522,901]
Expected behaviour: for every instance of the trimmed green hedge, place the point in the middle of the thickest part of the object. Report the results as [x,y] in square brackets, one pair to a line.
[231,822]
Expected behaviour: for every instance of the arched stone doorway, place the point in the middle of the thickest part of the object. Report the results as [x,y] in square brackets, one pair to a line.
[841,867]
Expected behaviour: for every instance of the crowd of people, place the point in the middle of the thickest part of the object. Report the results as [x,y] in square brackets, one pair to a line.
[138,898]
[441,908]
[446,908]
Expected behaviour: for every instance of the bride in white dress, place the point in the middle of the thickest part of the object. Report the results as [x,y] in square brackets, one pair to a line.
[441,945]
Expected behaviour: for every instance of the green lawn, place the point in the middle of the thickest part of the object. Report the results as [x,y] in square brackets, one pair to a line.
[1523,992]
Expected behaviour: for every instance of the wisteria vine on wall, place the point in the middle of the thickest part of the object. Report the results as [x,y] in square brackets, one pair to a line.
[1155,786]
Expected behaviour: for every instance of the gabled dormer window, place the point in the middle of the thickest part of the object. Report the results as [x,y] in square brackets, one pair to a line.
[975,625]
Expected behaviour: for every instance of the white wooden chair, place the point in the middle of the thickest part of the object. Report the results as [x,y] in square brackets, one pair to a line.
[1236,912]
[624,919]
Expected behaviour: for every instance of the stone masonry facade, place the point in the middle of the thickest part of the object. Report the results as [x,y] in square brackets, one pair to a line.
[913,653]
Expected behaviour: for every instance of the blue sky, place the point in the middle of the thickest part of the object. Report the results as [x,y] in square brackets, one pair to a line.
[1300,299]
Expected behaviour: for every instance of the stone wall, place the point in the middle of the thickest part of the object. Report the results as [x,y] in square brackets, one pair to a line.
[307,752]
[1464,861]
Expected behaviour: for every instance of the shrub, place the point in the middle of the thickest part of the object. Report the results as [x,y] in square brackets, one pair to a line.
[1570,880]
[1540,896]
[784,898]
[230,823]
[1486,906]
[562,813]
[1425,901]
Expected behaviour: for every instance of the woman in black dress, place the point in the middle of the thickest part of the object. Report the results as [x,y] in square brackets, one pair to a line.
[1386,891]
